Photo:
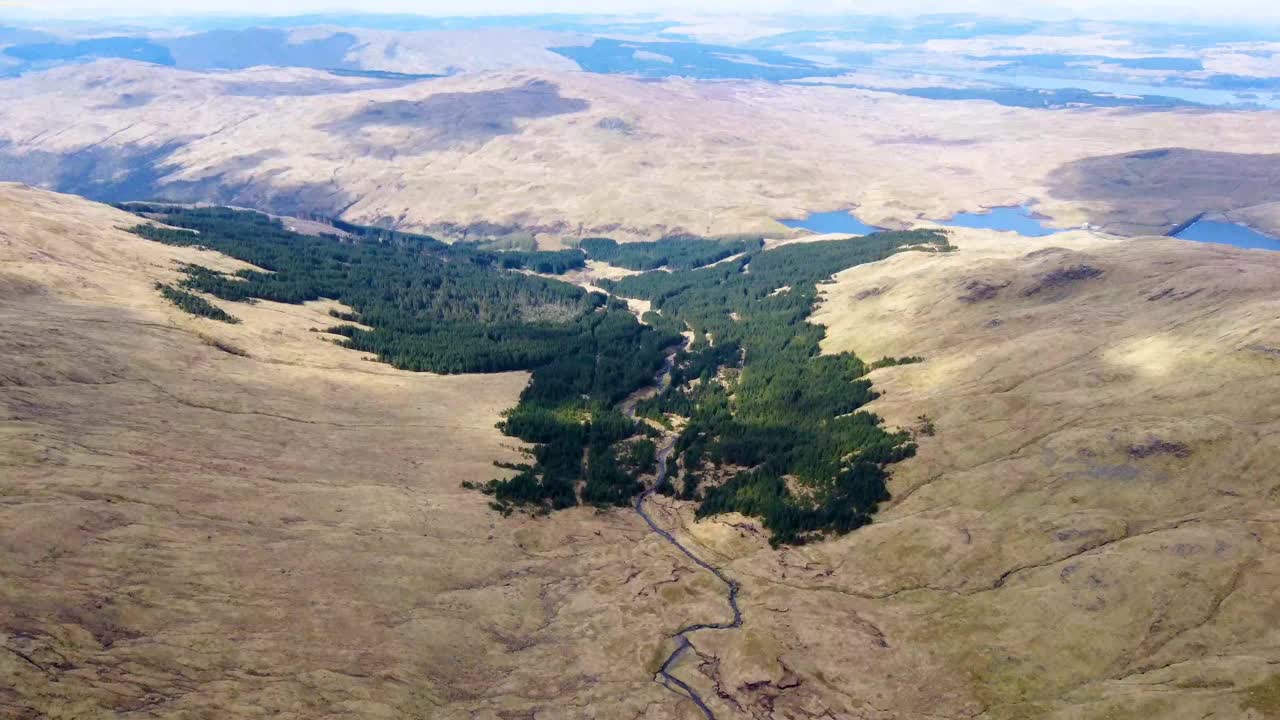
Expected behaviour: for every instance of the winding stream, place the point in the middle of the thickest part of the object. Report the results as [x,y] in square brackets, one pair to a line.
[682,636]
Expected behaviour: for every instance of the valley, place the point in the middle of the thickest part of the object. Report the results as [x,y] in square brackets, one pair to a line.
[758,402]
[295,507]
[683,644]
[770,365]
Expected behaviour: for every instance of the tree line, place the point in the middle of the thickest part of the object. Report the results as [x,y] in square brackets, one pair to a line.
[760,401]
[674,253]
[423,305]
[195,304]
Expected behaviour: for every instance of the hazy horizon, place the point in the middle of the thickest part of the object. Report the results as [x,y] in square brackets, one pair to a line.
[1226,12]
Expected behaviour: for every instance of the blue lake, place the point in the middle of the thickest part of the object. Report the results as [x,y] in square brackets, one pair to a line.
[1227,233]
[1022,221]
[1203,96]
[833,222]
[1017,219]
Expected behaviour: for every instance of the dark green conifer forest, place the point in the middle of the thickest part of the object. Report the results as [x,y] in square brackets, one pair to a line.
[195,304]
[784,419]
[763,407]
[677,253]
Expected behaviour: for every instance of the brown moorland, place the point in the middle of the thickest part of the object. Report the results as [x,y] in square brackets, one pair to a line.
[209,520]
[564,155]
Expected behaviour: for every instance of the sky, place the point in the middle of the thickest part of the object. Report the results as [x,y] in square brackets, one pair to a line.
[1215,11]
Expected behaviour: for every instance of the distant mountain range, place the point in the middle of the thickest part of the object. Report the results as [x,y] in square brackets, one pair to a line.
[939,57]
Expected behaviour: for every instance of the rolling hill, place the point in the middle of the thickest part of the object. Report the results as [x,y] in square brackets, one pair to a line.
[564,155]
[206,519]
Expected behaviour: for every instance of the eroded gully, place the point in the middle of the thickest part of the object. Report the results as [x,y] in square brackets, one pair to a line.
[681,637]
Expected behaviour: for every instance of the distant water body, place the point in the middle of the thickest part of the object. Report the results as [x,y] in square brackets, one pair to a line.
[1022,221]
[833,222]
[1202,96]
[1227,233]
[1016,219]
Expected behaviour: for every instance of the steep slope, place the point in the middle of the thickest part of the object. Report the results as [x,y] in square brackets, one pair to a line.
[220,520]
[1092,531]
[568,155]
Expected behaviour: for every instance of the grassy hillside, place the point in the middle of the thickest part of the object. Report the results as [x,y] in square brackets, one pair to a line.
[208,519]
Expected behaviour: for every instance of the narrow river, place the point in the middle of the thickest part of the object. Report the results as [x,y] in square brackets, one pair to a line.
[731,586]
